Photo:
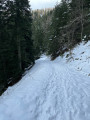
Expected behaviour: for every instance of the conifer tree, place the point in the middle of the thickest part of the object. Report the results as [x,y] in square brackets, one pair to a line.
[60,19]
[16,45]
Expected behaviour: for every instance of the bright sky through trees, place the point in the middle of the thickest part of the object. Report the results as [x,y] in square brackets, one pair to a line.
[39,4]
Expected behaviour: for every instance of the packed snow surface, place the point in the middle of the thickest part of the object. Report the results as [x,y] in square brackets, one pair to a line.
[52,90]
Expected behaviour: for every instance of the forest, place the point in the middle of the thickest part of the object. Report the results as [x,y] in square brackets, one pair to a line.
[26,34]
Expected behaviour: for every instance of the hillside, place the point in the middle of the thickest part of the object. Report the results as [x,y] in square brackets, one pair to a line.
[78,58]
[52,90]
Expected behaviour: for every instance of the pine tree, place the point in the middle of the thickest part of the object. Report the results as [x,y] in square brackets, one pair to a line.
[16,45]
[60,19]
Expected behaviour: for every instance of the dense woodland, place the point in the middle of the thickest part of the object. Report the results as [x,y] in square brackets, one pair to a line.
[26,34]
[16,45]
[60,29]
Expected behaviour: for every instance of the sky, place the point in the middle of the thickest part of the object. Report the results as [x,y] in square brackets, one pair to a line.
[39,4]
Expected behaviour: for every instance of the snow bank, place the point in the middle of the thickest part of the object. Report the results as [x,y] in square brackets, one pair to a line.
[78,59]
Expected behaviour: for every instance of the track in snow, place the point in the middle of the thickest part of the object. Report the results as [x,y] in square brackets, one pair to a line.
[50,91]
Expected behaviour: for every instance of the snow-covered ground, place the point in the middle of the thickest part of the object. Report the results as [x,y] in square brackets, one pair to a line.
[79,58]
[52,90]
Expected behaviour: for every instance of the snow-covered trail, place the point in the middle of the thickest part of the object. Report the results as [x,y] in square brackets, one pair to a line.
[49,91]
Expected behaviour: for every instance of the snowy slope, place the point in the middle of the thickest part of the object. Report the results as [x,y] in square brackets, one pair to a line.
[79,59]
[52,90]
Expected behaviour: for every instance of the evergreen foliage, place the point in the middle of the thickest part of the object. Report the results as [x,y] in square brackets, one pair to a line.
[40,30]
[16,45]
[62,28]
[60,18]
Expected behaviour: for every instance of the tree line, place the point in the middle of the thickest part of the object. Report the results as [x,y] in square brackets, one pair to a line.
[62,27]
[16,45]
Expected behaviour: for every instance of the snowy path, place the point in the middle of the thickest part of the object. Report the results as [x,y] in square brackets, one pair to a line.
[50,91]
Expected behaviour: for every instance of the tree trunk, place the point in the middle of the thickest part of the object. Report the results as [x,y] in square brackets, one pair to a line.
[82,21]
[19,52]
